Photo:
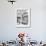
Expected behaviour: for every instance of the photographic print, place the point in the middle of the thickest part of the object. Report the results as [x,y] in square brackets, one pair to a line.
[23,17]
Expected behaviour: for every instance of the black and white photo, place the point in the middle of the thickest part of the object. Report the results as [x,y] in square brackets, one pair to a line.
[23,17]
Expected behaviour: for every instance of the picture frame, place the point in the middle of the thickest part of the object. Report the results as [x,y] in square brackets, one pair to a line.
[23,17]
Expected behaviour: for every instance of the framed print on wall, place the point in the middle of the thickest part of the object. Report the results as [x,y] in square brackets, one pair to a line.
[23,17]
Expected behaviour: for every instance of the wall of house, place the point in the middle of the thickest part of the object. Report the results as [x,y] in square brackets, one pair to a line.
[8,28]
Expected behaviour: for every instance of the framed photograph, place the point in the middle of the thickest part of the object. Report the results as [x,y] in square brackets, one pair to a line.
[23,17]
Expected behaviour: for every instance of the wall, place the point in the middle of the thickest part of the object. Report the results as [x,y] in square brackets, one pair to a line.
[8,28]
